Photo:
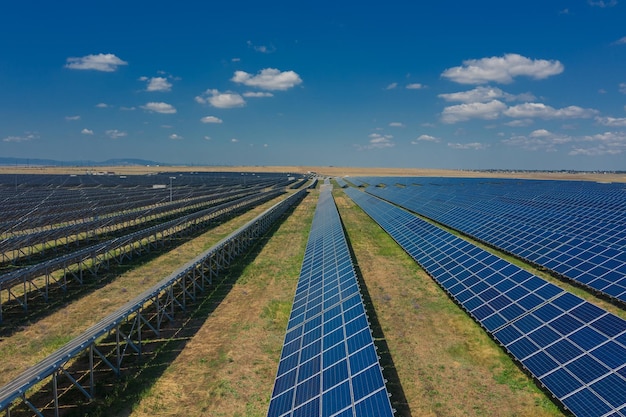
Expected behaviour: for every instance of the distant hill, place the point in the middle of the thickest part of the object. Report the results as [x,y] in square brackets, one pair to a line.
[55,163]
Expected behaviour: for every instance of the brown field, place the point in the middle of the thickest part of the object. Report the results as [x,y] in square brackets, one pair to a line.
[437,360]
[322,170]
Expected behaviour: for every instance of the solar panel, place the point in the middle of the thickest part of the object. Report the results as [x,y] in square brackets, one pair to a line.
[329,365]
[576,229]
[341,182]
[571,346]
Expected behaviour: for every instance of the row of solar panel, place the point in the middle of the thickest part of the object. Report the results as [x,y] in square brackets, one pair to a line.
[570,216]
[356,181]
[341,182]
[598,266]
[329,365]
[575,349]
[532,202]
[554,193]
[565,206]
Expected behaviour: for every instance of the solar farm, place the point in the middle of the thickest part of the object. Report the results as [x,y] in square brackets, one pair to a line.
[384,296]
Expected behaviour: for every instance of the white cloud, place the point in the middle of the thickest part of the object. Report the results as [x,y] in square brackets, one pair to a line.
[226,100]
[115,134]
[262,48]
[391,86]
[620,41]
[157,84]
[608,143]
[602,3]
[128,108]
[174,136]
[258,94]
[520,97]
[547,112]
[234,140]
[415,86]
[519,123]
[502,69]
[211,119]
[207,138]
[467,111]
[221,100]
[265,145]
[99,62]
[475,146]
[72,118]
[612,121]
[27,137]
[622,88]
[102,106]
[538,140]
[599,150]
[159,107]
[617,138]
[268,79]
[87,132]
[477,95]
[425,138]
[396,124]
[378,141]
[483,95]
[539,133]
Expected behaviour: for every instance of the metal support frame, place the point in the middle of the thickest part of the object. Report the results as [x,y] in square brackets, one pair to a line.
[23,244]
[126,325]
[93,259]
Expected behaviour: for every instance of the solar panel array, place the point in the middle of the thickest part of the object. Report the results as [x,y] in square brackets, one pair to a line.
[574,348]
[341,182]
[329,365]
[118,336]
[576,229]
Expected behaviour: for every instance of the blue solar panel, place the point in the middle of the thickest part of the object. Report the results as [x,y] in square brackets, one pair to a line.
[576,229]
[568,344]
[329,365]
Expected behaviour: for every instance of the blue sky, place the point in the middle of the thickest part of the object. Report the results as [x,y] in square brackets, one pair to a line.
[467,85]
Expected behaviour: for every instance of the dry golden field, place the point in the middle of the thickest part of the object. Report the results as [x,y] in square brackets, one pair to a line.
[330,171]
